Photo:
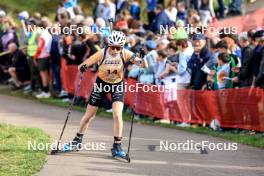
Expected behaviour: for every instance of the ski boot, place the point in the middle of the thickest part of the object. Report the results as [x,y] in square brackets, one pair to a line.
[118,152]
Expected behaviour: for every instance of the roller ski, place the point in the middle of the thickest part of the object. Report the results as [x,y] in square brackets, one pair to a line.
[74,145]
[118,152]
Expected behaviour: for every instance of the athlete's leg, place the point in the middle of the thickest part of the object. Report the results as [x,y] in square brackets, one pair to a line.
[117,116]
[87,118]
[118,128]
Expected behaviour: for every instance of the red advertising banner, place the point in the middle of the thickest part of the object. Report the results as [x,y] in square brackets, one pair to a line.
[234,108]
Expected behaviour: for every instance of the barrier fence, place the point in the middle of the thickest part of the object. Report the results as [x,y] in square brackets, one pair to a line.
[234,108]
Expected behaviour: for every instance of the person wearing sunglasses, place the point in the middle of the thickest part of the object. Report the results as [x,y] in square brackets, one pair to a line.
[111,60]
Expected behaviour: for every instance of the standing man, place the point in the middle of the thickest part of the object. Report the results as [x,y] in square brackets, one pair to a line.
[200,56]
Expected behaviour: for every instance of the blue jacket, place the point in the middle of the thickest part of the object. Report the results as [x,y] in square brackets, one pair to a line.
[161,19]
[198,77]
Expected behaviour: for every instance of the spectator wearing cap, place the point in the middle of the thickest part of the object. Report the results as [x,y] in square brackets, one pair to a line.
[161,20]
[245,76]
[199,57]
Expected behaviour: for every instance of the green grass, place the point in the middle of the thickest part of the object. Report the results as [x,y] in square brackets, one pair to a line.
[15,158]
[243,137]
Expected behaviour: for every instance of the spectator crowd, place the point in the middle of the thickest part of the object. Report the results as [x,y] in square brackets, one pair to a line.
[186,60]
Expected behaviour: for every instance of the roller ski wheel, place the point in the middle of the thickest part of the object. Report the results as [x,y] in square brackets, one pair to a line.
[117,153]
[66,149]
[74,145]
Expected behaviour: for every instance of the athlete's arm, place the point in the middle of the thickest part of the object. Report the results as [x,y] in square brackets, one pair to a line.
[95,58]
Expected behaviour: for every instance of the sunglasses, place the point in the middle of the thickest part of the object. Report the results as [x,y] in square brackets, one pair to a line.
[117,48]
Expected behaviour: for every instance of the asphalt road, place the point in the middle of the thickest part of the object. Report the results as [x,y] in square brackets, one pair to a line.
[146,157]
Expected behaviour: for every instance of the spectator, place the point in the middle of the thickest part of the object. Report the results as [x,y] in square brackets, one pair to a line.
[99,8]
[200,56]
[221,8]
[120,6]
[151,6]
[180,33]
[109,10]
[2,26]
[245,76]
[160,66]
[135,9]
[32,47]
[150,61]
[171,10]
[163,44]
[56,58]
[182,11]
[178,65]
[19,70]
[42,57]
[235,7]
[146,75]
[9,35]
[222,72]
[258,54]
[160,20]
[235,63]
[206,12]
[260,59]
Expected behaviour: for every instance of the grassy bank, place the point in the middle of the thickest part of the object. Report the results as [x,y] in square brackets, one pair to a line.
[243,137]
[15,158]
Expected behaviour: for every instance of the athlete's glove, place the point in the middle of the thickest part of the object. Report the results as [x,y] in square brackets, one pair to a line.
[83,68]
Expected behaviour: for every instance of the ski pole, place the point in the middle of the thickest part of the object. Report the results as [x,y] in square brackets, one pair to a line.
[69,112]
[142,53]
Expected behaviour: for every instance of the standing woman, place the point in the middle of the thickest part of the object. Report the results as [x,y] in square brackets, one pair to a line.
[206,12]
[111,61]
